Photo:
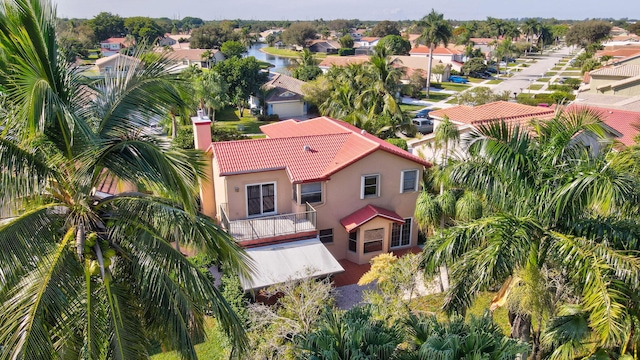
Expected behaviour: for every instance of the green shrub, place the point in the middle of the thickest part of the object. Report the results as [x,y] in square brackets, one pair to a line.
[574,83]
[184,137]
[557,87]
[272,117]
[346,51]
[401,143]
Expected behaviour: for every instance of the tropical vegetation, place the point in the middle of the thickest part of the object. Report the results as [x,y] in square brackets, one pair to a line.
[558,236]
[85,274]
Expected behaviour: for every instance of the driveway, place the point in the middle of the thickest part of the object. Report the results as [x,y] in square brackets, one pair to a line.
[521,80]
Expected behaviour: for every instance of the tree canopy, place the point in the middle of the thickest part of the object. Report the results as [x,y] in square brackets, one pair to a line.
[106,25]
[299,33]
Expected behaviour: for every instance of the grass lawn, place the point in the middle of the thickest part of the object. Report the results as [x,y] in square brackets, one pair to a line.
[573,68]
[571,73]
[536,86]
[410,108]
[434,96]
[543,80]
[453,100]
[556,68]
[550,73]
[230,118]
[512,64]
[433,304]
[454,87]
[494,81]
[214,347]
[475,81]
[288,53]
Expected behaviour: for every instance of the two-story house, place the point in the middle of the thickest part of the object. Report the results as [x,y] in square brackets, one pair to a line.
[310,183]
[113,45]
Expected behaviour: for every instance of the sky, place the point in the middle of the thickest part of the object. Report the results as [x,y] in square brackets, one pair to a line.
[351,9]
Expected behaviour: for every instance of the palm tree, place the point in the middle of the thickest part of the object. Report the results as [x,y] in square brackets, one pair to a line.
[85,274]
[530,28]
[211,90]
[562,210]
[435,31]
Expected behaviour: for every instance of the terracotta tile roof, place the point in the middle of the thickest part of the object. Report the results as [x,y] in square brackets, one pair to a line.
[369,39]
[189,54]
[619,52]
[421,49]
[627,70]
[330,61]
[114,40]
[366,214]
[482,41]
[624,122]
[499,110]
[311,150]
[283,84]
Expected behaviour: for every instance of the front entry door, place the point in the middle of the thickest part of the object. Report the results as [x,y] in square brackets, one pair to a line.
[261,199]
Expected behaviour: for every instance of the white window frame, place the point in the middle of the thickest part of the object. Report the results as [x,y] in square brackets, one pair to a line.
[362,181]
[401,228]
[275,199]
[301,194]
[415,186]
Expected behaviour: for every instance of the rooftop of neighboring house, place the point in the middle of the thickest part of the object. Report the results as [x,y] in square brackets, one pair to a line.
[499,110]
[119,58]
[369,38]
[482,41]
[310,150]
[440,50]
[189,54]
[343,60]
[623,121]
[115,40]
[619,53]
[324,43]
[177,37]
[625,70]
[286,88]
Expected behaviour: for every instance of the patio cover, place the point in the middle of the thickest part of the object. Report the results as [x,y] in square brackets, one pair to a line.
[367,213]
[296,260]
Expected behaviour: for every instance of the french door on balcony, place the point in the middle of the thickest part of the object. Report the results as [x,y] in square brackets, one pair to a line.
[261,199]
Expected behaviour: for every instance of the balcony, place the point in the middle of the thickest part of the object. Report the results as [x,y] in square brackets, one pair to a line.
[270,228]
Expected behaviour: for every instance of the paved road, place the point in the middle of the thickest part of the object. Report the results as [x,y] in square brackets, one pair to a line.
[521,80]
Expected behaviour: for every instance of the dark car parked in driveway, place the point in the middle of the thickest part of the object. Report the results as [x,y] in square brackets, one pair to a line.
[424,113]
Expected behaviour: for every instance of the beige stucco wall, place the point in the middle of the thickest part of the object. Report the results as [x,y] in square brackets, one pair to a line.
[342,197]
[597,81]
[234,187]
[631,89]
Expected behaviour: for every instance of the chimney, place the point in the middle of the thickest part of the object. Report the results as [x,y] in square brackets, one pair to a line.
[202,141]
[201,131]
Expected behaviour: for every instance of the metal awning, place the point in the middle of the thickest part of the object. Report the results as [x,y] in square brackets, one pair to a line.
[367,213]
[295,260]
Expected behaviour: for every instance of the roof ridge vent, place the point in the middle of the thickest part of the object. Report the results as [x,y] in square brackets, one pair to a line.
[307,148]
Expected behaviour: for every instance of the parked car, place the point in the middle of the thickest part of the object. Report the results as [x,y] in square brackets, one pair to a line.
[423,125]
[458,79]
[424,113]
[492,69]
[478,75]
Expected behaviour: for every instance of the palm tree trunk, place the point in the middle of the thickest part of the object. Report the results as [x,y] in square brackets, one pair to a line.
[174,126]
[430,63]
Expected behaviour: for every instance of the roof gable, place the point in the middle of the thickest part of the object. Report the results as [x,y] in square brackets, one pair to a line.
[499,110]
[308,151]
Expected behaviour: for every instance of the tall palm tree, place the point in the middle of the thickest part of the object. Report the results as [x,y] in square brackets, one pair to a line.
[562,212]
[530,27]
[211,90]
[436,31]
[85,274]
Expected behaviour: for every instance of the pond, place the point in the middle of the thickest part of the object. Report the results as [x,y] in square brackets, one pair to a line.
[279,63]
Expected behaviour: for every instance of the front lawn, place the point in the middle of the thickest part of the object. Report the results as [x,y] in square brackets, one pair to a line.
[536,86]
[571,73]
[475,81]
[214,347]
[230,118]
[410,107]
[434,96]
[545,79]
[494,81]
[288,53]
[454,87]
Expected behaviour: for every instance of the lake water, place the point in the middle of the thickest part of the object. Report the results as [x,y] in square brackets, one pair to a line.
[279,63]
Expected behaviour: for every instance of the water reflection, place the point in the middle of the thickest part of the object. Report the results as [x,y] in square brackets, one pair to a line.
[280,63]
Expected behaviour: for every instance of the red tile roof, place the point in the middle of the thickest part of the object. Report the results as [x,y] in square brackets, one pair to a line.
[310,150]
[499,110]
[366,214]
[330,61]
[437,51]
[624,122]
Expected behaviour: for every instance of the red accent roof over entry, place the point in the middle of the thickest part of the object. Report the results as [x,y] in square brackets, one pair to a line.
[367,213]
